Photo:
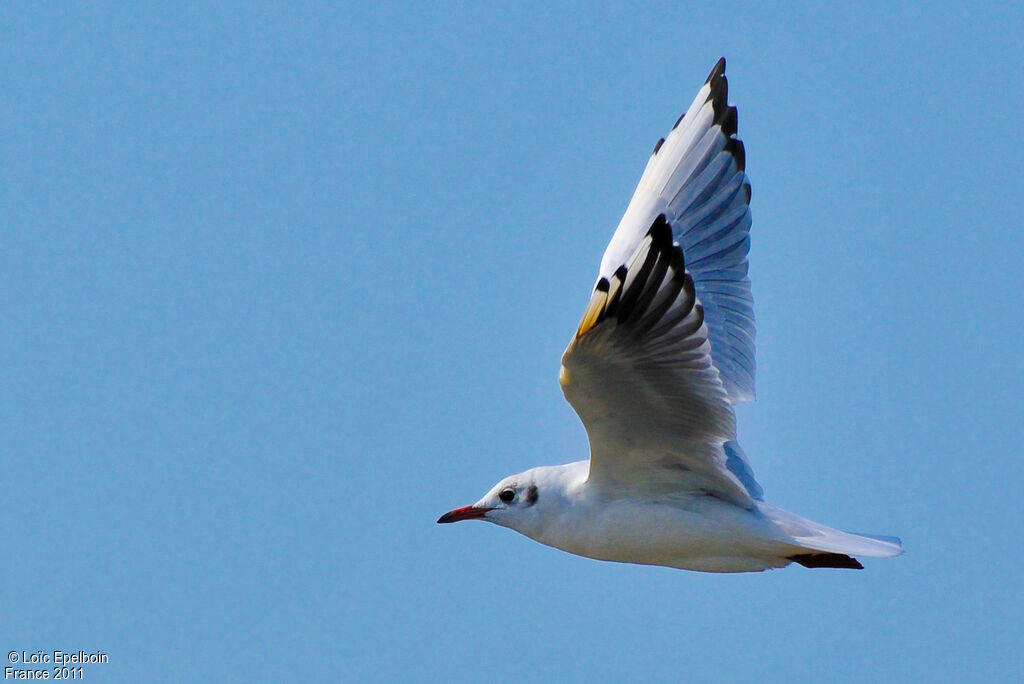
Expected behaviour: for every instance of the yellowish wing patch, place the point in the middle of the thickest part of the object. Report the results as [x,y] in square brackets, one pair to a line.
[594,308]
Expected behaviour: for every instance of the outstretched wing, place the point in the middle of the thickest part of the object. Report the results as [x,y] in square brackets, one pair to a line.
[666,345]
[639,374]
[695,177]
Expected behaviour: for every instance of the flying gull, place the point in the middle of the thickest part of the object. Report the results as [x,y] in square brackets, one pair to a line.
[664,350]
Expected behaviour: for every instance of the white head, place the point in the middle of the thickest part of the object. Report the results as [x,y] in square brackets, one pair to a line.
[521,502]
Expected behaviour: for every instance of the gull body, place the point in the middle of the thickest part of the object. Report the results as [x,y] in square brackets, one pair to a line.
[664,350]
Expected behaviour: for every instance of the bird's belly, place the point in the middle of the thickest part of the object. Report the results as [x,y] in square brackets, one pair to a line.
[709,536]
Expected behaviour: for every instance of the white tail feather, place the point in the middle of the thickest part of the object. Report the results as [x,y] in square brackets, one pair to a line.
[807,534]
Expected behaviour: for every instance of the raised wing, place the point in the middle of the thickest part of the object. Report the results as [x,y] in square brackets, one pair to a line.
[639,374]
[695,177]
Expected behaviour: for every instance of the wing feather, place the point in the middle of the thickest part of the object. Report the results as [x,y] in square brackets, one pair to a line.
[666,345]
[696,178]
[639,374]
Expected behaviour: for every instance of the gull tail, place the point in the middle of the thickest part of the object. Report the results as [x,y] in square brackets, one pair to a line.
[817,546]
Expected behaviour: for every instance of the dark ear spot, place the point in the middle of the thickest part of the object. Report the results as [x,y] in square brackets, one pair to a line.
[531,495]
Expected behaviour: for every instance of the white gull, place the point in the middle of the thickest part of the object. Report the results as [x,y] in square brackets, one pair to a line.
[663,352]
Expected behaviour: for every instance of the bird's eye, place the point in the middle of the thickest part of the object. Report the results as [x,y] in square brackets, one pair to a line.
[507,495]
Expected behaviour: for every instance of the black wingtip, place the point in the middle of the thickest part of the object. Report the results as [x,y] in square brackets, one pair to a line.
[729,122]
[734,146]
[718,96]
[678,263]
[717,71]
[660,232]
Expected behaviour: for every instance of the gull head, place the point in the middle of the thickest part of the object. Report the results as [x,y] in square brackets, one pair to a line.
[514,502]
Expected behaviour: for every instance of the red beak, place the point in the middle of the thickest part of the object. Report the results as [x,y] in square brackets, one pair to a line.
[464,513]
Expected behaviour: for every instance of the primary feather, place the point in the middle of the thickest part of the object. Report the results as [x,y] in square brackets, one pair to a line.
[695,178]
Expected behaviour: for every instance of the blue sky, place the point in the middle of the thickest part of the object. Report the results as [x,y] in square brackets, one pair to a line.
[280,285]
